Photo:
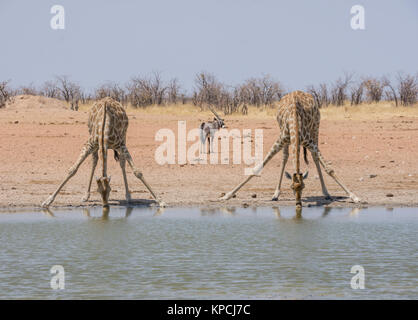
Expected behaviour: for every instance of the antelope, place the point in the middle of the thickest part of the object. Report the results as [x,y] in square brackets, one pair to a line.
[208,130]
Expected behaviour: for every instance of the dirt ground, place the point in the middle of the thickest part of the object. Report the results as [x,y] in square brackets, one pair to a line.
[375,155]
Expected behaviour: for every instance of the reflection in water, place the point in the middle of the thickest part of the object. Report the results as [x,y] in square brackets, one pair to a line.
[298,212]
[159,211]
[228,210]
[217,256]
[105,213]
[48,212]
[297,216]
[354,212]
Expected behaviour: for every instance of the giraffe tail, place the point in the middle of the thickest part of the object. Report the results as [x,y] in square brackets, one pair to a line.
[305,155]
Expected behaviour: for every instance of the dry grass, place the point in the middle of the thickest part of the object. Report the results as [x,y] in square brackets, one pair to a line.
[382,110]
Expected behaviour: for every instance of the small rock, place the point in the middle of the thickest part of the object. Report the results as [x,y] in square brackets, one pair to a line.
[16,121]
[372,176]
[13,188]
[245,205]
[254,195]
[234,196]
[389,195]
[222,194]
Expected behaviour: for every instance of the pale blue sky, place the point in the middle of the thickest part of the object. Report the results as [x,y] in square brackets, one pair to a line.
[298,42]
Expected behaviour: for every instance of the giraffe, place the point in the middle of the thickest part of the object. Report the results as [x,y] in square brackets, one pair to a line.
[107,123]
[298,118]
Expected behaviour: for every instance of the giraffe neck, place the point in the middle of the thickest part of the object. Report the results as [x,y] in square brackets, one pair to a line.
[297,143]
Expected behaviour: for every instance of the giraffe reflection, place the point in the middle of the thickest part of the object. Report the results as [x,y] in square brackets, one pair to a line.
[105,213]
[326,211]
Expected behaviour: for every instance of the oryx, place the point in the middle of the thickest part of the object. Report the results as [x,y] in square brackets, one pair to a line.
[208,130]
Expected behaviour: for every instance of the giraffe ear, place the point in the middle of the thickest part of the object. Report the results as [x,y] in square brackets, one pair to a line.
[287,174]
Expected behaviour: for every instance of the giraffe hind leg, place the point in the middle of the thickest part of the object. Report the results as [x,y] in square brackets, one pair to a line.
[93,168]
[122,162]
[139,175]
[331,173]
[321,178]
[285,158]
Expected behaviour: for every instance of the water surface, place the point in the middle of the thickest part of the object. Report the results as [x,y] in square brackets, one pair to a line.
[231,253]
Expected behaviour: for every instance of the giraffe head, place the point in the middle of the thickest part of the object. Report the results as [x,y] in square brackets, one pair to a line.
[103,187]
[297,185]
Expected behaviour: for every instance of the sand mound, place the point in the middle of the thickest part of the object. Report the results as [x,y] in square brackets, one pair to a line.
[24,102]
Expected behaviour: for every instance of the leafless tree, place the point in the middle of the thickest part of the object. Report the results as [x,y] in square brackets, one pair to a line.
[50,89]
[69,91]
[145,91]
[260,91]
[407,88]
[207,90]
[5,93]
[320,94]
[173,91]
[339,89]
[28,90]
[374,89]
[112,90]
[357,92]
[390,91]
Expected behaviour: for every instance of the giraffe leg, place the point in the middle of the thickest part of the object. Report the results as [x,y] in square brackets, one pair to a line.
[321,178]
[330,172]
[93,168]
[285,157]
[122,162]
[278,145]
[139,175]
[87,149]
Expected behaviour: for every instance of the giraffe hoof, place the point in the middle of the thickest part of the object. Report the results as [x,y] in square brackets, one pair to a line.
[47,202]
[226,197]
[161,204]
[328,197]
[275,199]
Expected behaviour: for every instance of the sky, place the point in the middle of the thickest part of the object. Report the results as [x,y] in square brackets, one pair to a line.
[298,42]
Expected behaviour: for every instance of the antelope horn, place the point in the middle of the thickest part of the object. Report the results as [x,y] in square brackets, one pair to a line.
[216,115]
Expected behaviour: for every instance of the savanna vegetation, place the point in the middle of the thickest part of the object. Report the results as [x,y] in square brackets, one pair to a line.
[254,94]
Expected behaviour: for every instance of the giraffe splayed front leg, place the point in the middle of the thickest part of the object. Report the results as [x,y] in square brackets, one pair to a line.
[273,151]
[87,149]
